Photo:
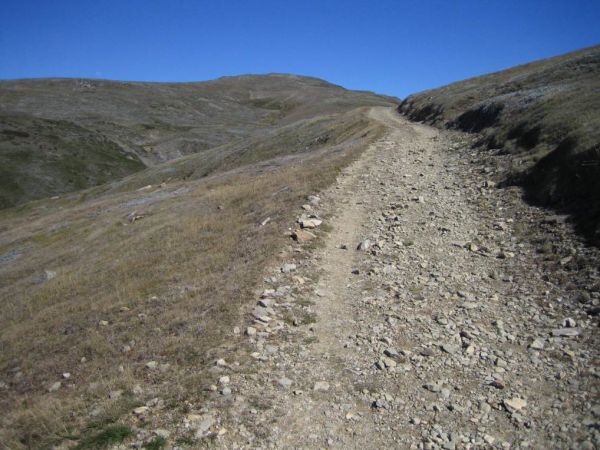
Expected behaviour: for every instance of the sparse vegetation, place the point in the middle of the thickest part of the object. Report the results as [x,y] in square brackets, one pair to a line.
[113,434]
[156,444]
[544,114]
[168,287]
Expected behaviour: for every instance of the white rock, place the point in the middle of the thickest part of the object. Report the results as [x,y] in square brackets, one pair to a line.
[310,223]
[537,344]
[364,245]
[141,410]
[284,382]
[321,386]
[515,404]
[151,365]
[287,268]
[54,386]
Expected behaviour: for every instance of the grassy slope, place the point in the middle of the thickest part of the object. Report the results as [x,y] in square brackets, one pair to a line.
[184,272]
[546,114]
[62,135]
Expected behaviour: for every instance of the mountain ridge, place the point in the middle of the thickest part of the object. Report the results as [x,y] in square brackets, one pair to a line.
[64,134]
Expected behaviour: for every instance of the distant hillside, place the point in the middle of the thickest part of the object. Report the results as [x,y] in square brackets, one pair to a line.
[546,114]
[62,135]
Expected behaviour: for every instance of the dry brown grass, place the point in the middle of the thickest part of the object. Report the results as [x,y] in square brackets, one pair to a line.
[171,285]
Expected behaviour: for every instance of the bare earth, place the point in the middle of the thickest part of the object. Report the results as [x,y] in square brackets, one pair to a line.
[451,330]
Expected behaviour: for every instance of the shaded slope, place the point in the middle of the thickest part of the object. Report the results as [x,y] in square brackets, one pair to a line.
[546,114]
[60,135]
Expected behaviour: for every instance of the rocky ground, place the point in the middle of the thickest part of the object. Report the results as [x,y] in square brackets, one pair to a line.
[418,306]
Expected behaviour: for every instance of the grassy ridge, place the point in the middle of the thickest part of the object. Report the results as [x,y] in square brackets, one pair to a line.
[63,135]
[546,114]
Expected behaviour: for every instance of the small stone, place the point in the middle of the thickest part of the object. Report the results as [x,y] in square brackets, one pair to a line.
[489,439]
[251,331]
[103,323]
[224,379]
[287,268]
[314,200]
[54,386]
[392,353]
[569,323]
[162,433]
[226,391]
[450,348]
[284,382]
[381,403]
[310,223]
[141,410]
[537,344]
[500,362]
[389,362]
[432,387]
[49,274]
[265,302]
[472,247]
[427,352]
[321,386]
[202,424]
[515,404]
[151,365]
[66,375]
[506,255]
[303,236]
[566,332]
[364,245]
[220,362]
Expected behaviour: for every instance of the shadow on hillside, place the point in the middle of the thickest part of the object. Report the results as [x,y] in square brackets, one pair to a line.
[568,181]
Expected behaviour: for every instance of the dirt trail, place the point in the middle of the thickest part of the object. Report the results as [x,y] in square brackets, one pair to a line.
[446,332]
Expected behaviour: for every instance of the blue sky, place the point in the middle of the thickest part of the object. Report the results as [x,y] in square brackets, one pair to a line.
[392,47]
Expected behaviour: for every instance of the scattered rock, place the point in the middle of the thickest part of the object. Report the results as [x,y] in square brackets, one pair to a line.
[303,236]
[287,268]
[284,382]
[141,410]
[321,386]
[537,344]
[310,223]
[54,386]
[514,404]
[566,332]
[151,365]
[364,245]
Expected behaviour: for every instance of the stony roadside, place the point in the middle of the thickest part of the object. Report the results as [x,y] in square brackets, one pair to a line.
[417,306]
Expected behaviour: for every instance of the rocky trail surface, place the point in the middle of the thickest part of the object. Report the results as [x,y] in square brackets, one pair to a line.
[438,312]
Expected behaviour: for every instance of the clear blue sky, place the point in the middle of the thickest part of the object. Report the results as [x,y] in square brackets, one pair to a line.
[393,47]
